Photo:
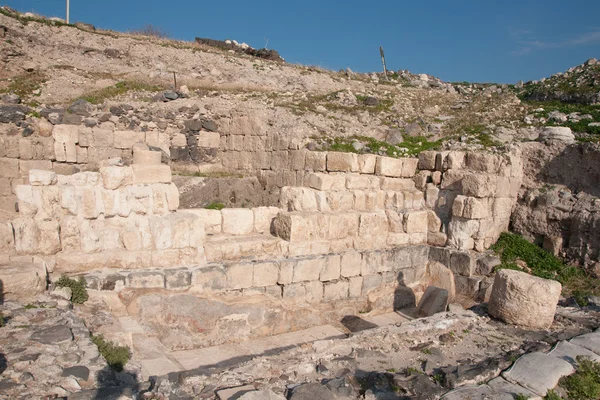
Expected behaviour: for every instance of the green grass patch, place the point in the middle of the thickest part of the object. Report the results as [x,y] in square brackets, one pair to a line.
[100,95]
[79,294]
[585,383]
[512,247]
[215,206]
[568,108]
[413,145]
[521,396]
[116,356]
[552,395]
[24,84]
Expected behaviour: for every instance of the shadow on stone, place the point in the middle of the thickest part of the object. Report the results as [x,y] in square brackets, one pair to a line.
[356,324]
[3,363]
[404,297]
[113,385]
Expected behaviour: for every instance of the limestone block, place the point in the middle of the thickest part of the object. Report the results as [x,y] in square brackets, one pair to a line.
[239,276]
[301,226]
[265,274]
[409,167]
[397,184]
[27,165]
[209,140]
[479,185]
[387,166]
[366,163]
[461,232]
[22,281]
[442,277]
[211,219]
[370,283]
[41,178]
[416,222]
[151,174]
[209,279]
[114,177]
[334,291]
[177,279]
[146,280]
[357,181]
[9,168]
[483,162]
[351,264]
[434,222]
[427,160]
[147,157]
[322,181]
[521,299]
[237,221]
[316,161]
[471,207]
[454,160]
[308,269]
[342,162]
[66,133]
[126,139]
[298,199]
[434,300]
[437,239]
[263,218]
[373,224]
[160,229]
[340,200]
[332,268]
[295,292]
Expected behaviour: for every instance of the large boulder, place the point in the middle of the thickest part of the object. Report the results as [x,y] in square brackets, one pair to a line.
[557,134]
[21,281]
[521,299]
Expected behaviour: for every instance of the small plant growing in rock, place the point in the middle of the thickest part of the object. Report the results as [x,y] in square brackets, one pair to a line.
[552,395]
[521,396]
[79,294]
[215,206]
[116,356]
[438,379]
[585,383]
[2,321]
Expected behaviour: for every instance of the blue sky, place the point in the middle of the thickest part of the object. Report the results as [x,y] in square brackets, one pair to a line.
[477,41]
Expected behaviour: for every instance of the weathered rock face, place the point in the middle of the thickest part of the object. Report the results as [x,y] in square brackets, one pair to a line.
[21,280]
[521,299]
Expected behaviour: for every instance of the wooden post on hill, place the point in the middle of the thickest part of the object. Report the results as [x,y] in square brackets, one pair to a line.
[383,62]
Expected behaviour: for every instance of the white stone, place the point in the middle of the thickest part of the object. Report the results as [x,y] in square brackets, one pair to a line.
[237,221]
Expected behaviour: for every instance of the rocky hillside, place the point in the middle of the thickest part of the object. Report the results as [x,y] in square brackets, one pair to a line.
[580,84]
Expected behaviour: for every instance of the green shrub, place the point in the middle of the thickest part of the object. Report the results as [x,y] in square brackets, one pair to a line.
[585,383]
[79,294]
[552,395]
[215,206]
[116,356]
[2,321]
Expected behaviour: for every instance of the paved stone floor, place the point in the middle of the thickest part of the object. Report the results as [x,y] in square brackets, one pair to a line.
[156,359]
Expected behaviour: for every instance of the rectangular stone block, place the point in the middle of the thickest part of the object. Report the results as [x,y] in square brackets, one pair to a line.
[387,166]
[211,219]
[294,292]
[308,269]
[342,162]
[314,292]
[357,181]
[462,263]
[351,264]
[239,276]
[66,133]
[427,160]
[316,161]
[177,278]
[416,222]
[143,174]
[334,291]
[355,287]
[146,280]
[263,218]
[366,163]
[301,226]
[147,157]
[9,168]
[331,270]
[322,181]
[409,167]
[373,224]
[286,272]
[397,184]
[126,139]
[210,140]
[265,274]
[237,221]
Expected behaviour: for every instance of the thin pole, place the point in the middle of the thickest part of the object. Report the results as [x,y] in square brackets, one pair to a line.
[383,62]
[68,1]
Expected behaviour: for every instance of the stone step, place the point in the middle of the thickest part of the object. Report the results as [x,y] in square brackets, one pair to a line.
[224,247]
[159,363]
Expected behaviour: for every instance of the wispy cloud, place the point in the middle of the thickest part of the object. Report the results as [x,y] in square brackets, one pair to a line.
[526,43]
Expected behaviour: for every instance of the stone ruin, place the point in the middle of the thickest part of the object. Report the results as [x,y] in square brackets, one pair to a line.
[350,233]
